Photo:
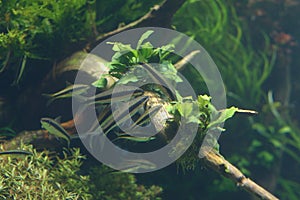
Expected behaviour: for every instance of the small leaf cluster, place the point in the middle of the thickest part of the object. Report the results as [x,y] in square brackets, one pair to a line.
[39,30]
[40,177]
[185,110]
[128,59]
[208,119]
[43,175]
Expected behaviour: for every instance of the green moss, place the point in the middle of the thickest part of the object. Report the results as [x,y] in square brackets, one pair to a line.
[42,30]
[40,177]
[109,185]
[45,176]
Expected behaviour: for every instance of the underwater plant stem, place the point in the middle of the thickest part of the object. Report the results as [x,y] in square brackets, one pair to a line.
[218,163]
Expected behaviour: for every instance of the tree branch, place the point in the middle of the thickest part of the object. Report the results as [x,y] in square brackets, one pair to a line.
[212,159]
[218,163]
[159,15]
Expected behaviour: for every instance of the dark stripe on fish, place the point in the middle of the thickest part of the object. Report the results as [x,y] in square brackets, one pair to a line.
[15,152]
[123,115]
[116,95]
[159,79]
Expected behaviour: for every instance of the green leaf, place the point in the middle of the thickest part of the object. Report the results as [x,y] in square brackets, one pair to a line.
[268,157]
[117,46]
[284,130]
[185,109]
[224,115]
[203,101]
[189,110]
[164,51]
[128,78]
[259,127]
[145,52]
[101,83]
[276,143]
[168,70]
[143,37]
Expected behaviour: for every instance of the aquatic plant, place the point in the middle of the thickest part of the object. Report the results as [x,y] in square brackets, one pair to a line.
[126,66]
[39,30]
[216,26]
[216,41]
[246,58]
[29,174]
[47,31]
[38,176]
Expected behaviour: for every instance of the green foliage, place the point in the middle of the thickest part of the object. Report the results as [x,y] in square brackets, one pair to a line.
[108,185]
[217,27]
[50,29]
[203,113]
[245,65]
[289,188]
[6,132]
[280,134]
[43,176]
[184,110]
[39,30]
[40,177]
[114,13]
[127,58]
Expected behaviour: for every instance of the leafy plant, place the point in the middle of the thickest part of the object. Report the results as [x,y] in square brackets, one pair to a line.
[28,174]
[35,30]
[184,110]
[37,176]
[246,60]
[217,27]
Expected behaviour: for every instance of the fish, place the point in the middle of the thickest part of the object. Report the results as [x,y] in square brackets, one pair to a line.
[134,138]
[69,91]
[145,117]
[123,93]
[105,114]
[136,165]
[16,152]
[159,79]
[55,129]
[133,107]
[107,97]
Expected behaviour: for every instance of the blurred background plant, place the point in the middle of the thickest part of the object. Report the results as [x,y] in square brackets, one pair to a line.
[247,41]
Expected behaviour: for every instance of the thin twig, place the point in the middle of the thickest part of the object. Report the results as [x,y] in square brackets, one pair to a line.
[130,25]
[185,60]
[158,16]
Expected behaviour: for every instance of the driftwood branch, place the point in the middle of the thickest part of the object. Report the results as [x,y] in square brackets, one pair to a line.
[212,159]
[158,16]
[218,163]
[40,139]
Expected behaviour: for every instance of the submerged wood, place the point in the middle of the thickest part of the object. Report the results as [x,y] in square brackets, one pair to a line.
[218,163]
[212,159]
[159,15]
